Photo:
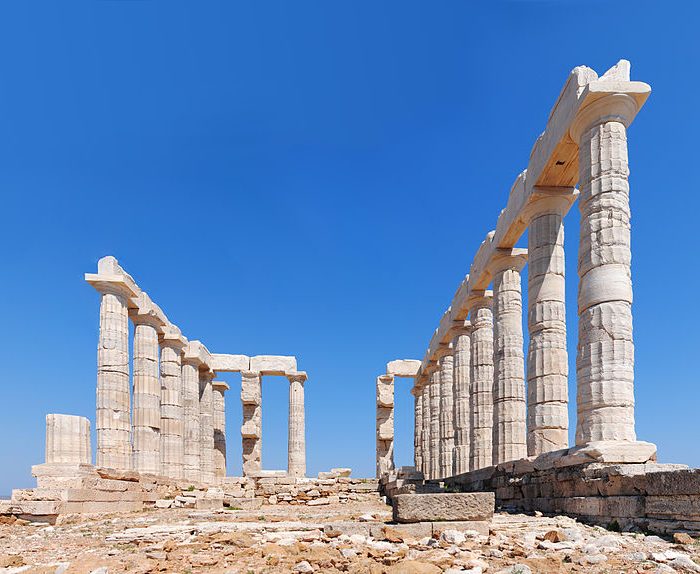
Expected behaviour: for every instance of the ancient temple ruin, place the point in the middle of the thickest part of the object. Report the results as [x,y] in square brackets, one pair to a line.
[489,418]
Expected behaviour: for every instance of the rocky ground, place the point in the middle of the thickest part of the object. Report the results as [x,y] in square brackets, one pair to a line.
[321,539]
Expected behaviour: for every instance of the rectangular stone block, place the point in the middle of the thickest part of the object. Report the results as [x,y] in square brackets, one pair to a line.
[229,363]
[480,526]
[273,364]
[403,367]
[445,506]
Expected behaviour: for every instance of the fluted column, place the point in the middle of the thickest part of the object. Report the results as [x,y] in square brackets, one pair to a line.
[425,421]
[251,430]
[447,432]
[385,424]
[192,469]
[547,360]
[172,425]
[509,428]
[146,382]
[219,388]
[417,427]
[113,392]
[206,425]
[67,440]
[462,399]
[434,442]
[296,442]
[605,358]
[481,381]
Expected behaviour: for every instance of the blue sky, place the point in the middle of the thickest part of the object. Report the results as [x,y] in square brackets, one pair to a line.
[313,178]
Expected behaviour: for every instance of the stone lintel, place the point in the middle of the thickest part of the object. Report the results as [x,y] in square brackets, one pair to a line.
[273,364]
[225,363]
[196,353]
[222,386]
[403,367]
[147,312]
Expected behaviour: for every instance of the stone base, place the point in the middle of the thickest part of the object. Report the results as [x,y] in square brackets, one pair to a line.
[662,498]
[476,506]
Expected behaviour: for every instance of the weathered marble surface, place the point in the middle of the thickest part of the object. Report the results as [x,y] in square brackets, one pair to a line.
[67,440]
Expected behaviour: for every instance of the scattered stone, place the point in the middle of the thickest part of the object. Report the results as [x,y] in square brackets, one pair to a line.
[413,567]
[303,567]
[555,536]
[453,537]
[683,538]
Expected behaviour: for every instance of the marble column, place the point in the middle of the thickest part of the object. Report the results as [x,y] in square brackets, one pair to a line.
[172,424]
[434,444]
[417,427]
[481,381]
[509,440]
[206,425]
[605,358]
[219,388]
[192,469]
[447,431]
[146,384]
[296,442]
[113,385]
[385,424]
[461,343]
[547,360]
[251,430]
[425,421]
[67,440]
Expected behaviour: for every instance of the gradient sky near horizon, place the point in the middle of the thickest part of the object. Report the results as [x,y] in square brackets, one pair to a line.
[314,178]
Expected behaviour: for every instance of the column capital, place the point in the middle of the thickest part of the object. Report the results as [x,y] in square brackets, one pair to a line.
[297,377]
[148,313]
[112,284]
[172,337]
[444,350]
[503,259]
[460,327]
[611,107]
[548,200]
[221,386]
[207,374]
[480,299]
[197,354]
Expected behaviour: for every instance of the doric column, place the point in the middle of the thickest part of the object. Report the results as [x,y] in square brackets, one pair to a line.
[481,381]
[146,383]
[67,440]
[605,359]
[547,360]
[206,425]
[172,424]
[296,442]
[434,444]
[447,431]
[219,388]
[385,424]
[192,469]
[251,430]
[425,421]
[509,430]
[461,344]
[113,385]
[417,427]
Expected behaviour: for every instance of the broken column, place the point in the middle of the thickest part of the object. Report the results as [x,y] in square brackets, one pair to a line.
[385,424]
[219,388]
[67,440]
[447,432]
[509,429]
[434,442]
[113,385]
[146,413]
[172,423]
[547,360]
[206,425]
[251,430]
[296,442]
[481,381]
[461,344]
[605,360]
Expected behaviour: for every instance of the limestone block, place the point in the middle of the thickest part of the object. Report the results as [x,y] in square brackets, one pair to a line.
[251,389]
[385,391]
[403,368]
[273,364]
[481,527]
[222,363]
[67,440]
[197,354]
[440,507]
[385,424]
[250,429]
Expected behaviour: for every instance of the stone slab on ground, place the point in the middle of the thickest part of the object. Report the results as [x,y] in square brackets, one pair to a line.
[465,506]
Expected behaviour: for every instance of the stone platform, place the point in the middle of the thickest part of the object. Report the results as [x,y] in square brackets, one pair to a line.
[660,498]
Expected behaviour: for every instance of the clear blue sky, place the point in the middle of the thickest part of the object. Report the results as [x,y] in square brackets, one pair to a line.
[313,178]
